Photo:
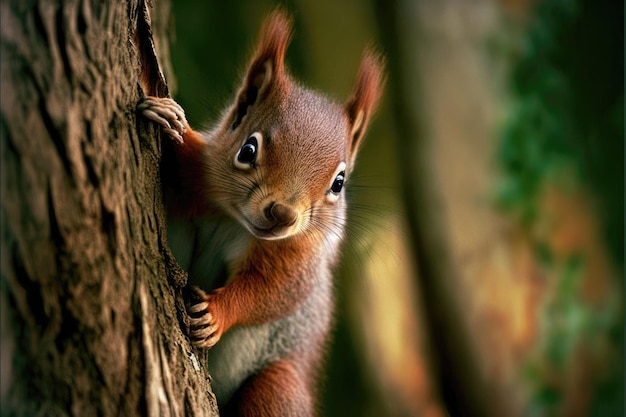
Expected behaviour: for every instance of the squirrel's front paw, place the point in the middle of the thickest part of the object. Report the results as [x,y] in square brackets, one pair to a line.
[204,329]
[166,112]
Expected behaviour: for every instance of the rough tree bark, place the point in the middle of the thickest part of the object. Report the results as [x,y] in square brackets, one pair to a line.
[91,300]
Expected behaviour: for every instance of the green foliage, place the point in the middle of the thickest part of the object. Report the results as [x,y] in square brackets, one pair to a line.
[566,125]
[568,326]
[567,111]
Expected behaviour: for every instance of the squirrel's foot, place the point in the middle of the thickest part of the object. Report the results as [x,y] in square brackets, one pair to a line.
[166,112]
[204,329]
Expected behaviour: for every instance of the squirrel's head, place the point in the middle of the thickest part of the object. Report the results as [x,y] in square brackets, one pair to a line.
[285,152]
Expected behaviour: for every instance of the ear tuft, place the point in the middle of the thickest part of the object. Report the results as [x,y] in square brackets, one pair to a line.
[274,38]
[365,96]
[266,71]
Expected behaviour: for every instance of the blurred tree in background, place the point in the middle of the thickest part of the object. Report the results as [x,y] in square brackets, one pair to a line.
[518,96]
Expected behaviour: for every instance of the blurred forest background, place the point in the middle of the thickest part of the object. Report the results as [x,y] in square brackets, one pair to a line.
[483,269]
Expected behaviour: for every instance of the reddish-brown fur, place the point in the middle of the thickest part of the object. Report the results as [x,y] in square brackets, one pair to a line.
[366,94]
[269,283]
[272,279]
[282,383]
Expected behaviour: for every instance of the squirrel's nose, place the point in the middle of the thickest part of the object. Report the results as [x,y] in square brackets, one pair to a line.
[282,214]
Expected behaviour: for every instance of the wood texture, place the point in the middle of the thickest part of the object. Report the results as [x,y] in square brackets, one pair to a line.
[91,304]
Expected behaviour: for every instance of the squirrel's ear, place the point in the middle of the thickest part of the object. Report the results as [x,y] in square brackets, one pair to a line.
[266,71]
[364,98]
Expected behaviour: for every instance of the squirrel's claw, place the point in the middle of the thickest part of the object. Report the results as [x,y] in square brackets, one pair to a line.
[166,112]
[204,331]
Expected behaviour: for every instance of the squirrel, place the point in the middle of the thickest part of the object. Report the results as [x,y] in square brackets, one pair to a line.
[262,193]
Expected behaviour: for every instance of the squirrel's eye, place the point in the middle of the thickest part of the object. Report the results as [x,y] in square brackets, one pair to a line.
[338,183]
[249,152]
[332,194]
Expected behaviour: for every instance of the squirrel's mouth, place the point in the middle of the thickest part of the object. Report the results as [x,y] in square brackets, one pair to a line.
[272,233]
[269,231]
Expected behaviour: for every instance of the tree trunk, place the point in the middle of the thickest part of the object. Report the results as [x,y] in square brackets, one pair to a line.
[461,383]
[91,301]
